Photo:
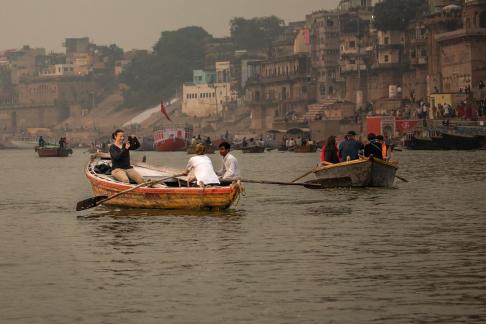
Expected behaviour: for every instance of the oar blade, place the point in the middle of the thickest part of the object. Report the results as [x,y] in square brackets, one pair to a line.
[89,203]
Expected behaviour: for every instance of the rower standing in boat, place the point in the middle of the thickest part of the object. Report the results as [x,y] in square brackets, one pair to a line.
[349,149]
[42,142]
[330,153]
[229,170]
[120,158]
[373,148]
[201,168]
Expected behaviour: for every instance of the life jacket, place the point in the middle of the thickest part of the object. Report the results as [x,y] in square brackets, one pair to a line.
[383,151]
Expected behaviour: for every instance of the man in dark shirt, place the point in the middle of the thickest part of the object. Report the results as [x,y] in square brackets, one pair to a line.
[120,158]
[373,147]
[349,149]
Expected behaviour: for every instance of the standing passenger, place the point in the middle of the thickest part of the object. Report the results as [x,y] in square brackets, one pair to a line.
[349,149]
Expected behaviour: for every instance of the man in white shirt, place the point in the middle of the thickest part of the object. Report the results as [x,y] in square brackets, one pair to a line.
[229,170]
[201,168]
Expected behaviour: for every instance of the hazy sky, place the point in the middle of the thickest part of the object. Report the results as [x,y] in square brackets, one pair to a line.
[131,23]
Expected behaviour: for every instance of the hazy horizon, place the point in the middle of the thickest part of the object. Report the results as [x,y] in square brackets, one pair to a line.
[131,24]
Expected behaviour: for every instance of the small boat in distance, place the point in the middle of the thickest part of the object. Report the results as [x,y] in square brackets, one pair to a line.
[443,141]
[307,148]
[169,139]
[53,151]
[171,194]
[364,172]
[253,149]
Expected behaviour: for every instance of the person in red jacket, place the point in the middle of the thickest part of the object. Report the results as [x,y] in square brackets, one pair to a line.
[329,154]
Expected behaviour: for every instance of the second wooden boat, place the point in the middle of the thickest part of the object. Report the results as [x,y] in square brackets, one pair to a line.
[364,172]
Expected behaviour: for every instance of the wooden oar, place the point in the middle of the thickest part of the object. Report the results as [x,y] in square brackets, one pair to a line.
[305,174]
[313,184]
[282,183]
[98,200]
[403,179]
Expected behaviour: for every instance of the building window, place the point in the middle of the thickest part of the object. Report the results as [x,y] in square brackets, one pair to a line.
[423,52]
[413,54]
[386,58]
[386,40]
[322,89]
[352,44]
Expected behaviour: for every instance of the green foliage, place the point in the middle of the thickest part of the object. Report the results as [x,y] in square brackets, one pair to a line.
[396,14]
[158,75]
[256,32]
[110,54]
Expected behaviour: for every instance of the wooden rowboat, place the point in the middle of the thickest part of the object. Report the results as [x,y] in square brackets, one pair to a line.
[55,151]
[253,149]
[169,195]
[364,172]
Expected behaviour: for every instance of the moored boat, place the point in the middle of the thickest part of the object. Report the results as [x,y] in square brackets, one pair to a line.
[53,151]
[364,172]
[443,141]
[172,139]
[168,195]
[253,149]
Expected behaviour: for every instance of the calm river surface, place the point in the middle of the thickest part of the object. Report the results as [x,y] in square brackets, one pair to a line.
[416,253]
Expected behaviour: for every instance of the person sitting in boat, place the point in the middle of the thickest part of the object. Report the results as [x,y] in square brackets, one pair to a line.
[201,168]
[329,154]
[229,170]
[350,147]
[373,148]
[120,158]
[41,142]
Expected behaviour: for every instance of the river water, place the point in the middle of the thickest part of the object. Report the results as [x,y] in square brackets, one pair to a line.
[415,253]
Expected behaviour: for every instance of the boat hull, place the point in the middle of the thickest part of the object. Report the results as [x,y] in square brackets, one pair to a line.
[365,172]
[171,145]
[53,152]
[444,142]
[305,149]
[254,149]
[166,197]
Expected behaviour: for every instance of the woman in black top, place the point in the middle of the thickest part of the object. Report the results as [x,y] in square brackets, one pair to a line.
[120,158]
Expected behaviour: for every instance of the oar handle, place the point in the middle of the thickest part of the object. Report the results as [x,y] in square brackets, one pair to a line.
[138,186]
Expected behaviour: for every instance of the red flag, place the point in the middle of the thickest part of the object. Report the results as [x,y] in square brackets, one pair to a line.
[162,110]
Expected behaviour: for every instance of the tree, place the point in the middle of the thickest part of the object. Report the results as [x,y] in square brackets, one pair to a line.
[396,14]
[157,76]
[255,33]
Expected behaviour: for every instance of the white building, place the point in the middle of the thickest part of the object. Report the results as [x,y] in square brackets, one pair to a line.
[203,100]
[58,70]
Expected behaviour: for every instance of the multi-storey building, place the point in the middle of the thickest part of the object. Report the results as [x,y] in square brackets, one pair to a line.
[324,52]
